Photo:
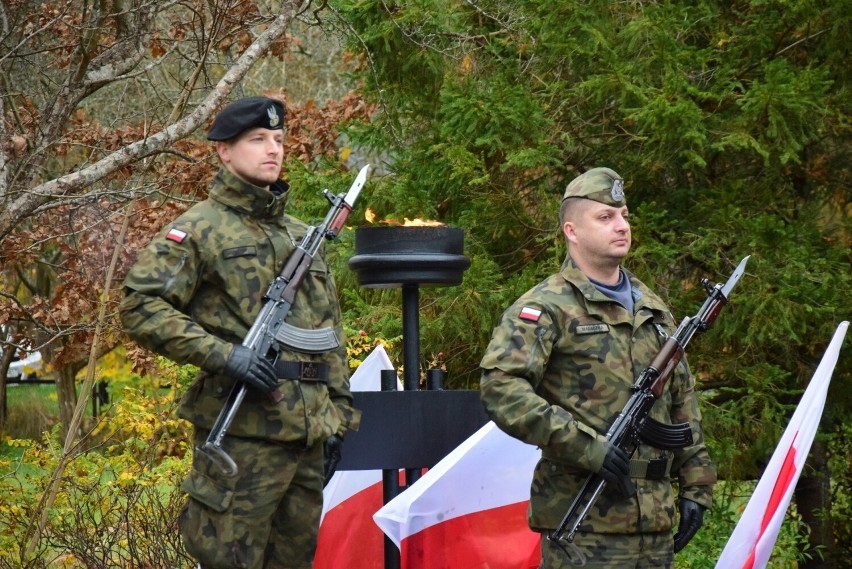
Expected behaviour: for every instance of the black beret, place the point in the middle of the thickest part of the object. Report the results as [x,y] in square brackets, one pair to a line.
[243,114]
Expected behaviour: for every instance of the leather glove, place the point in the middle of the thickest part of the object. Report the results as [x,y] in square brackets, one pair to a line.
[616,470]
[691,518]
[245,365]
[332,452]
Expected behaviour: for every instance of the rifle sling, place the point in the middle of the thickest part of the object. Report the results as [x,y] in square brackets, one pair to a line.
[310,372]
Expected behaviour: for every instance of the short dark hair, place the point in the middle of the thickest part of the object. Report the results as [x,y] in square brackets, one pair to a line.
[569,208]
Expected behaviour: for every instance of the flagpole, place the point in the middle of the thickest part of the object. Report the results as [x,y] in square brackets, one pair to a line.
[390,483]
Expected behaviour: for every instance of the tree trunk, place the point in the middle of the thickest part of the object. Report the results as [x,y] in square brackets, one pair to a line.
[813,500]
[5,361]
[66,392]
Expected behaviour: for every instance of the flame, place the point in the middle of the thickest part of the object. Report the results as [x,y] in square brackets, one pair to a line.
[370,216]
[417,222]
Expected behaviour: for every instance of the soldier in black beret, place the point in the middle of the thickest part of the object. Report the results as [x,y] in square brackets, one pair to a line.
[191,296]
[243,114]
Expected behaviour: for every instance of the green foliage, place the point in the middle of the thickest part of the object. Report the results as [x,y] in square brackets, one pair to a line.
[730,498]
[359,344]
[729,123]
[533,93]
[840,452]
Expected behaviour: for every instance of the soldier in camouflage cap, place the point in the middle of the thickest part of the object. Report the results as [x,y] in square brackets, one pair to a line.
[192,295]
[559,369]
[598,184]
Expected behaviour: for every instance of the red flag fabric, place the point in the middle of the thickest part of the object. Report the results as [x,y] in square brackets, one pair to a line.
[348,538]
[469,511]
[751,543]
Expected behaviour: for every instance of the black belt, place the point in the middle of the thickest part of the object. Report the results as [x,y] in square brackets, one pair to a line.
[653,469]
[302,371]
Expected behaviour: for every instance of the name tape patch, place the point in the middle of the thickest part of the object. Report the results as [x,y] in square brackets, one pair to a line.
[592,328]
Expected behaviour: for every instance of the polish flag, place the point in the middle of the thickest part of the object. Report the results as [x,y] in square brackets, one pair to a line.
[469,510]
[348,538]
[751,543]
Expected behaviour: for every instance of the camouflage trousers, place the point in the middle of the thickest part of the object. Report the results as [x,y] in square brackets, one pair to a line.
[265,517]
[613,551]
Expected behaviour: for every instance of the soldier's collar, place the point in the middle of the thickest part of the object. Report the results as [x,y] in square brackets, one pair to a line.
[255,201]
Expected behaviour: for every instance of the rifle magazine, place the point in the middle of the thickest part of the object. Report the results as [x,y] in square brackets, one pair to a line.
[307,341]
[665,437]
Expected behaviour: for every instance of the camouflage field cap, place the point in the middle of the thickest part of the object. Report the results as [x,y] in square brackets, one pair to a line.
[247,113]
[598,184]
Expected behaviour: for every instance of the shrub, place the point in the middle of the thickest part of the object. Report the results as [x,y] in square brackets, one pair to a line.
[118,497]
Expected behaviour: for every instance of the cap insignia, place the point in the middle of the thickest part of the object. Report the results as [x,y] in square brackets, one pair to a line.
[273,116]
[618,190]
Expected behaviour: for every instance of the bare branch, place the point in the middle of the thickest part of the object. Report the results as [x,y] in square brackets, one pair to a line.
[157,143]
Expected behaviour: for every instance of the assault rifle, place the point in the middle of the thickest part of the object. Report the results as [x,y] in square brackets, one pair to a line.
[634,424]
[269,331]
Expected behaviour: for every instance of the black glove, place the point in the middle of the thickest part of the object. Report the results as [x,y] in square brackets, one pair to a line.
[245,365]
[616,470]
[332,452]
[691,518]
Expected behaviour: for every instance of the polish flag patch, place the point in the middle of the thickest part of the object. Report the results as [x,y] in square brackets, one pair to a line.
[176,235]
[531,314]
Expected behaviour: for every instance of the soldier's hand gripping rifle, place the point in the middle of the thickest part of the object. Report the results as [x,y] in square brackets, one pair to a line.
[269,331]
[634,424]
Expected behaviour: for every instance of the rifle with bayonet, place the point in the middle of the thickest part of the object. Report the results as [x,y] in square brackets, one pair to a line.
[634,424]
[270,332]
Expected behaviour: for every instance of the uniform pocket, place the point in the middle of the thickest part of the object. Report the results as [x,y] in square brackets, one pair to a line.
[212,493]
[553,487]
[206,521]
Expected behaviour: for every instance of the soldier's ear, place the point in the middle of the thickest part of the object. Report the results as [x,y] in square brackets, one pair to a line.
[223,150]
[569,229]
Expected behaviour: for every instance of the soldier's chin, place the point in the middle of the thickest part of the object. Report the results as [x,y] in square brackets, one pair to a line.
[264,182]
[622,248]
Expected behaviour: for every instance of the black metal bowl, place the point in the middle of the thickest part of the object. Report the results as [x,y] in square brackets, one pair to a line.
[395,256]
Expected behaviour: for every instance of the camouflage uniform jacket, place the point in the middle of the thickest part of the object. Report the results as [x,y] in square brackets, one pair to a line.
[191,298]
[560,380]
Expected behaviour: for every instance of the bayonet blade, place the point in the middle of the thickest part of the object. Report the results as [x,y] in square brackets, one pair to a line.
[359,182]
[735,277]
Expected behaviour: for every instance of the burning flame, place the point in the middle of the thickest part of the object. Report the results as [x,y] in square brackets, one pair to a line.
[417,222]
[370,216]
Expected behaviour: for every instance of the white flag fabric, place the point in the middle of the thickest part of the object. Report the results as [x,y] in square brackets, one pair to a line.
[751,543]
[348,538]
[469,511]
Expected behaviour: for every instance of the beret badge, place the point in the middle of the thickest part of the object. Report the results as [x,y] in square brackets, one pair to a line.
[274,120]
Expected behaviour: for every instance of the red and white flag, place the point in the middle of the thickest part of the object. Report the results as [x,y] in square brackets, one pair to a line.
[754,537]
[469,510]
[348,538]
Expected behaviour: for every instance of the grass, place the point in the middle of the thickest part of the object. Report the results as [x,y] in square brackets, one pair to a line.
[33,409]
